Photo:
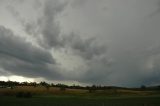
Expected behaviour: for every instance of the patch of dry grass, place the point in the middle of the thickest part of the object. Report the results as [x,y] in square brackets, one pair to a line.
[41,90]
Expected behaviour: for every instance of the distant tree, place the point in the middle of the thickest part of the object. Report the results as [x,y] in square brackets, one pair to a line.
[24,84]
[45,85]
[33,84]
[143,87]
[59,85]
[11,84]
[52,85]
[158,87]
[92,89]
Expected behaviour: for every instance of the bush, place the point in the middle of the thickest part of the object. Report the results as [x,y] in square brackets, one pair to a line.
[91,90]
[19,95]
[23,95]
[27,95]
[143,87]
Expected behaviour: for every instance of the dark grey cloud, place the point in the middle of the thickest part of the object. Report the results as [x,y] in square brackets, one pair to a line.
[98,72]
[87,48]
[19,48]
[19,67]
[51,33]
[49,27]
[20,57]
[157,11]
[45,29]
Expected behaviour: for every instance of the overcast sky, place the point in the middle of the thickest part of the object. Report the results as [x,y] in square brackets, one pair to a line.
[103,42]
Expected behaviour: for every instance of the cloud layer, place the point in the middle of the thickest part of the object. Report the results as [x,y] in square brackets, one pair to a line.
[20,57]
[108,42]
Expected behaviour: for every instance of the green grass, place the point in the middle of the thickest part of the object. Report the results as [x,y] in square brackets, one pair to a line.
[81,101]
[78,97]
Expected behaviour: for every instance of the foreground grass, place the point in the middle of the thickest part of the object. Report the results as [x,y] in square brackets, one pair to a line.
[66,100]
[78,97]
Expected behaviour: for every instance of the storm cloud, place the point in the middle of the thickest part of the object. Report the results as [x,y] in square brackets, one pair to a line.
[19,57]
[111,42]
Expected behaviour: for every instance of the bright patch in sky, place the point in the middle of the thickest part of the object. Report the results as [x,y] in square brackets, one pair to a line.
[16,78]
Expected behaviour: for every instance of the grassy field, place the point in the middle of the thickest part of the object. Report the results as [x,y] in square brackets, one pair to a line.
[80,101]
[78,97]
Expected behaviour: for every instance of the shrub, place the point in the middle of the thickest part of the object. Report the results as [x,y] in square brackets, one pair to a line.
[27,95]
[23,95]
[19,95]
[143,87]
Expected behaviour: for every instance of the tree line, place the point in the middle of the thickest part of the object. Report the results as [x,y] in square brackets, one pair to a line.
[12,84]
